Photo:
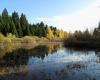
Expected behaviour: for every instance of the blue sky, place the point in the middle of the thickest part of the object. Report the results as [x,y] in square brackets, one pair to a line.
[47,10]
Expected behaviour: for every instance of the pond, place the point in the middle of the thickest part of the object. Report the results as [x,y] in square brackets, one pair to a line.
[49,62]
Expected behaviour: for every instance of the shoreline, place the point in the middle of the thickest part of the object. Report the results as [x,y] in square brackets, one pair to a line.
[82,44]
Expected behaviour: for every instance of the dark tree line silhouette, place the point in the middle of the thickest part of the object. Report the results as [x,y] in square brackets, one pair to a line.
[84,39]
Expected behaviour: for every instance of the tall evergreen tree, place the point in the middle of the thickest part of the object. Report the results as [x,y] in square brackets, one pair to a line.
[24,25]
[16,21]
[32,29]
[13,28]
[5,20]
[42,30]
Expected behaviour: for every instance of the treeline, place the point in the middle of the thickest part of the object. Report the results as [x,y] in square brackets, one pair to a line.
[84,39]
[20,27]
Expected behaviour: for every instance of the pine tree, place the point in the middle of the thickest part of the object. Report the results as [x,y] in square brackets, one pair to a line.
[24,25]
[42,30]
[13,28]
[5,20]
[16,21]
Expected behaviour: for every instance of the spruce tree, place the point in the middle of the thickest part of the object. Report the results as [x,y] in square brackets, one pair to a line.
[24,25]
[16,21]
[13,28]
[5,20]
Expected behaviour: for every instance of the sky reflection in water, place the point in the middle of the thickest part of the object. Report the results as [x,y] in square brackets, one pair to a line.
[54,63]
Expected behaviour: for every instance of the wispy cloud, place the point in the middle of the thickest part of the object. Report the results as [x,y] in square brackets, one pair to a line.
[87,18]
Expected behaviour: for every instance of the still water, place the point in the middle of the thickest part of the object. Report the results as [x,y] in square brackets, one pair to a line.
[49,62]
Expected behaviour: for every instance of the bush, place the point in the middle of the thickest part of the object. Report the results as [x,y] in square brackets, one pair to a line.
[11,36]
[7,40]
[2,37]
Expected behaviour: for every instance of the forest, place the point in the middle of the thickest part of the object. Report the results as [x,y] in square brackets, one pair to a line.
[19,26]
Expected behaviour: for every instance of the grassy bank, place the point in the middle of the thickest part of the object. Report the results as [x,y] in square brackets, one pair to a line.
[11,39]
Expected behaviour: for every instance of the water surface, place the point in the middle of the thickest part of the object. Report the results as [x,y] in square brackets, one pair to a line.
[49,62]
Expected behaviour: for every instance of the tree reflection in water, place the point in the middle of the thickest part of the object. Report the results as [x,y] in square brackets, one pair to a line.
[48,62]
[20,56]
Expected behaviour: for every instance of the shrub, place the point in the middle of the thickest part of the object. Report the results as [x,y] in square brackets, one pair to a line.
[2,37]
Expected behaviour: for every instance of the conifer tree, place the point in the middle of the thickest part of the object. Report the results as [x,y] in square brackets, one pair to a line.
[5,21]
[24,25]
[16,21]
[13,28]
